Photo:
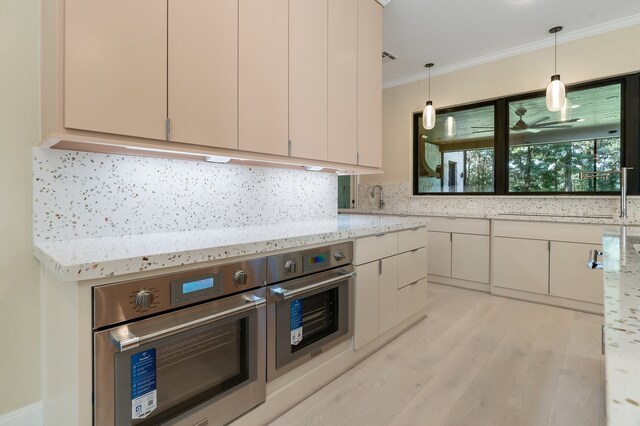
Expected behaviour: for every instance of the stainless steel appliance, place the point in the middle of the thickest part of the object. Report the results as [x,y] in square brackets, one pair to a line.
[187,348]
[309,304]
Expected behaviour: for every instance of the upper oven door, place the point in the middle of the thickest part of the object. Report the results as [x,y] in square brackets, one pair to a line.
[158,369]
[308,315]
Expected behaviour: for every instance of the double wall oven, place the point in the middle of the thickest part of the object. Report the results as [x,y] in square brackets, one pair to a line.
[310,305]
[187,348]
[196,348]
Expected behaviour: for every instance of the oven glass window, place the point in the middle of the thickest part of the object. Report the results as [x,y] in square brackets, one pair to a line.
[191,368]
[317,315]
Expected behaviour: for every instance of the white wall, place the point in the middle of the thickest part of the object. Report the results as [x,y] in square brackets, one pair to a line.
[613,53]
[19,277]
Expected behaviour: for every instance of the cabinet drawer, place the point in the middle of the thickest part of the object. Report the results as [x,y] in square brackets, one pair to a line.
[411,299]
[459,225]
[412,266]
[412,239]
[376,247]
[569,232]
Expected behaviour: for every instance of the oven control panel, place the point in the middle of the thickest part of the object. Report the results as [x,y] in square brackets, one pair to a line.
[124,301]
[302,262]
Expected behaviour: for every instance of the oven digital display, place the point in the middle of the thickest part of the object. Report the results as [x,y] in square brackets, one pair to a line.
[202,284]
[314,260]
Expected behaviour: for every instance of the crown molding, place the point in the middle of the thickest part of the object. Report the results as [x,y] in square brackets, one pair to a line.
[525,48]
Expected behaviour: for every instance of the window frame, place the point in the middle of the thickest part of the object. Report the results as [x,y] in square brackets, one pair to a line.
[629,132]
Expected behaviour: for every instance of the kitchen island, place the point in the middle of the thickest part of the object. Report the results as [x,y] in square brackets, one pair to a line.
[622,324]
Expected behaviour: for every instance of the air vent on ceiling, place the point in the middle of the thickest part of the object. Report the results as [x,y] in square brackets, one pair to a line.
[388,57]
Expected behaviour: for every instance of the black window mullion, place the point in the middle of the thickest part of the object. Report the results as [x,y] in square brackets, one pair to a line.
[630,131]
[501,149]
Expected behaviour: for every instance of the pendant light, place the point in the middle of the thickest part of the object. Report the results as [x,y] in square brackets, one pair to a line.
[450,126]
[555,90]
[429,112]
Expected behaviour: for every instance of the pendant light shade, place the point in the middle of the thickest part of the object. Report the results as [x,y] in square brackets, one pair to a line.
[555,89]
[429,112]
[429,116]
[450,126]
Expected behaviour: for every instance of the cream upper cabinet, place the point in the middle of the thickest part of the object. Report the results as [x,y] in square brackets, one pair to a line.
[369,83]
[115,67]
[343,81]
[308,78]
[203,72]
[263,76]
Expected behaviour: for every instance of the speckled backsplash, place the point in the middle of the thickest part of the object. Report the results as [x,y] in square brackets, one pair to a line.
[398,199]
[87,195]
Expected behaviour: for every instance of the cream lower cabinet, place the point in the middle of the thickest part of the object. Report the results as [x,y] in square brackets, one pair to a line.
[521,264]
[546,262]
[459,252]
[391,282]
[568,275]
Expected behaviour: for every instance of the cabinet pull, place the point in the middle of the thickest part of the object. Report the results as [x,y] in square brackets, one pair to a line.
[379,267]
[167,128]
[450,237]
[602,340]
[414,229]
[289,148]
[379,235]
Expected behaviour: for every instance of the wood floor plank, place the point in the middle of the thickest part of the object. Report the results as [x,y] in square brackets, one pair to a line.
[476,359]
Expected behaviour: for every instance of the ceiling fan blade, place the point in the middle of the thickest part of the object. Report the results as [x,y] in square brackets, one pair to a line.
[538,120]
[482,131]
[530,130]
[552,123]
[555,126]
[482,127]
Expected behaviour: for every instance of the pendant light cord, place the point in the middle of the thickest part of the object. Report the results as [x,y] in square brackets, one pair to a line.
[555,53]
[429,84]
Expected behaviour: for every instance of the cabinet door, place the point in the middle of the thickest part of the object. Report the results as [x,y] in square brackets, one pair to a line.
[569,276]
[263,76]
[470,257]
[370,83]
[343,81]
[115,67]
[308,78]
[412,266]
[521,264]
[366,304]
[439,253]
[388,291]
[203,72]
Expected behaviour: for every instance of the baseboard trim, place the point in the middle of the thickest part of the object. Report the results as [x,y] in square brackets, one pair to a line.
[30,415]
[545,299]
[470,285]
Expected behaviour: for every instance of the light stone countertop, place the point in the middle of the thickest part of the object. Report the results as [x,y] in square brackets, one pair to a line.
[523,216]
[84,259]
[622,324]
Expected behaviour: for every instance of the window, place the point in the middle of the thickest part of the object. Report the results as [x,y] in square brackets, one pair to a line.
[456,156]
[514,145]
[548,150]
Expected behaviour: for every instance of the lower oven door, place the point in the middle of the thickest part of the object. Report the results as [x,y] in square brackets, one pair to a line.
[200,363]
[306,316]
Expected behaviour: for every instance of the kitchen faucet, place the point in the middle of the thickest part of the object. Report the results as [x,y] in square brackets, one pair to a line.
[623,184]
[373,194]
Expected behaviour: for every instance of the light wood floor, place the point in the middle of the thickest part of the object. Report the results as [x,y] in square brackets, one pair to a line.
[476,360]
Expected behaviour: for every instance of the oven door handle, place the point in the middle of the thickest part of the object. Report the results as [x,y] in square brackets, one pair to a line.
[129,340]
[284,294]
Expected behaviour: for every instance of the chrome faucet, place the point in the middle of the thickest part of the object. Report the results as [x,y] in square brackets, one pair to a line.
[373,194]
[623,184]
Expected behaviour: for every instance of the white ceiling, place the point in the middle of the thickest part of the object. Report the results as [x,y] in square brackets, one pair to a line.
[455,34]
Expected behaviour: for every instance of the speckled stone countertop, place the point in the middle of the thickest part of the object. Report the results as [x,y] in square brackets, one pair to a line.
[622,324]
[523,216]
[84,259]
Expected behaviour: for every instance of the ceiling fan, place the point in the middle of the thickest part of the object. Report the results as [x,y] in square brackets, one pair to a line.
[533,127]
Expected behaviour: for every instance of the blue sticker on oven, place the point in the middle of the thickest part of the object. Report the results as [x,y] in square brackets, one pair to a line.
[296,322]
[143,384]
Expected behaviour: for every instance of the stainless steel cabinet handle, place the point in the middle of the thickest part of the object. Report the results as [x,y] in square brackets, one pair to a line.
[602,344]
[128,341]
[592,262]
[284,294]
